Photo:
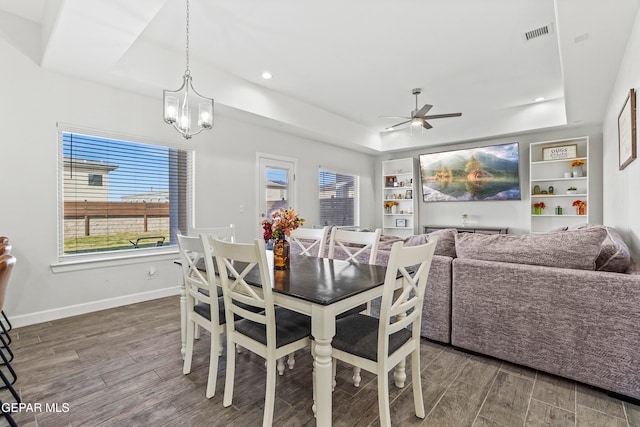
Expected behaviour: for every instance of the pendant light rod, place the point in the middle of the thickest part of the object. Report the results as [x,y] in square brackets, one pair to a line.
[178,104]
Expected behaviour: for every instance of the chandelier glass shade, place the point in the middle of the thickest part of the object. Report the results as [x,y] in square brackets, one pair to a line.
[180,106]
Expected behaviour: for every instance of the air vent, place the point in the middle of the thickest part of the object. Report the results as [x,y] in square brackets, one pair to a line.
[544,31]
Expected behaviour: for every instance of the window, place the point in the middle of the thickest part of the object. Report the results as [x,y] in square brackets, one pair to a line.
[339,199]
[95,180]
[119,195]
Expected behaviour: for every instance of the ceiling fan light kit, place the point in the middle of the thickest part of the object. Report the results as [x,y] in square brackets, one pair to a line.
[419,116]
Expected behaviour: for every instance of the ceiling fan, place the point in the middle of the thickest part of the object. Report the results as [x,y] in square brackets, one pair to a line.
[419,116]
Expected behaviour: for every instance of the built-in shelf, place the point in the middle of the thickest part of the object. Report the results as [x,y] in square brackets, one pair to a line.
[399,184]
[544,174]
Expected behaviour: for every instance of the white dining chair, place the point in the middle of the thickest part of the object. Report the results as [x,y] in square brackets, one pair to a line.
[271,333]
[353,244]
[203,308]
[310,241]
[226,233]
[378,345]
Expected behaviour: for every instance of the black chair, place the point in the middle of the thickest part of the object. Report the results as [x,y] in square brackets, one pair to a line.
[7,263]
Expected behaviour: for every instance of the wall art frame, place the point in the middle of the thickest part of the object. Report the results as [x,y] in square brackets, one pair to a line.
[627,131]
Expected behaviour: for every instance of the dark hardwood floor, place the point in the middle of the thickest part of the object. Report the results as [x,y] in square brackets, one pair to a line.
[122,367]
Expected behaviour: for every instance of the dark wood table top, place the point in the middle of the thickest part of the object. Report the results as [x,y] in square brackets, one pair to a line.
[319,280]
[322,280]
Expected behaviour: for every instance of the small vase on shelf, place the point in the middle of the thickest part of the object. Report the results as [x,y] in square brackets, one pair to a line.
[577,171]
[281,254]
[394,209]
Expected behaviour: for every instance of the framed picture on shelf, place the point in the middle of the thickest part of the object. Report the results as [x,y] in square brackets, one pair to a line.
[408,194]
[390,181]
[627,131]
[401,222]
[560,152]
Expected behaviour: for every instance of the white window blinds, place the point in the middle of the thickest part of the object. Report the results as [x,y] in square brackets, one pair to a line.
[120,195]
[339,204]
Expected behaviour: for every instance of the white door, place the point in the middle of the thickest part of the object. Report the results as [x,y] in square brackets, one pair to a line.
[276,184]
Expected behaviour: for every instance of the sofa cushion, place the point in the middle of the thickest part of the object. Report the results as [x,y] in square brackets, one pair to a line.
[446,245]
[577,249]
[614,255]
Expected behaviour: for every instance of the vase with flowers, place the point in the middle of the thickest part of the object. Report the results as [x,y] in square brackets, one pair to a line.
[391,207]
[581,207]
[538,208]
[279,228]
[576,167]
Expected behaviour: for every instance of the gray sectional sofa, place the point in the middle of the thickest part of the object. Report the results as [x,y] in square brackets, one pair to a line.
[566,303]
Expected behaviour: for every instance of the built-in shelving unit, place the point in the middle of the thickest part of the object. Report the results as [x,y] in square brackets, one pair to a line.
[399,184]
[552,177]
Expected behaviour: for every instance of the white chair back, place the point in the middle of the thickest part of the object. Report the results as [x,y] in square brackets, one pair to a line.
[310,241]
[363,240]
[399,309]
[228,234]
[235,261]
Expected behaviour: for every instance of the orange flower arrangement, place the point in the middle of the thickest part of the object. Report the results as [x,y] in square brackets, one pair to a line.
[390,204]
[577,163]
[284,220]
[579,204]
[540,205]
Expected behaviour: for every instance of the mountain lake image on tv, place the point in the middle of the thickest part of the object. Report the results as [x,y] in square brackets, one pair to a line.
[471,174]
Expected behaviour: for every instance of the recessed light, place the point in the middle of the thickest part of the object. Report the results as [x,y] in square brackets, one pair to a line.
[539,99]
[267,75]
[389,128]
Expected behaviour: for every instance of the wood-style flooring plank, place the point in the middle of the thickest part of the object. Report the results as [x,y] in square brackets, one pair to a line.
[123,367]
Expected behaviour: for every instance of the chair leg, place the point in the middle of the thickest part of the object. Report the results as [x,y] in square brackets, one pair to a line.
[313,376]
[5,332]
[188,353]
[7,416]
[356,376]
[8,384]
[6,319]
[291,361]
[5,346]
[213,364]
[196,334]
[230,375]
[281,366]
[6,363]
[270,395]
[383,398]
[417,383]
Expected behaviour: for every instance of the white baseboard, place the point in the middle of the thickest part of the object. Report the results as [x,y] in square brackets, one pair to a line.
[89,307]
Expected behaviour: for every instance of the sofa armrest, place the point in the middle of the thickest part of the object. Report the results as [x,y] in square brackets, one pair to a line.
[573,323]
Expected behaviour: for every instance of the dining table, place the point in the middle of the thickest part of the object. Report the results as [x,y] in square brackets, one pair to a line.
[323,288]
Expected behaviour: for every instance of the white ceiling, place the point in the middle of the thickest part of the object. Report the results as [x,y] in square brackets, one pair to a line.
[340,65]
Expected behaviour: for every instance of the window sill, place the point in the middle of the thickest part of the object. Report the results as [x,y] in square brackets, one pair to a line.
[113,260]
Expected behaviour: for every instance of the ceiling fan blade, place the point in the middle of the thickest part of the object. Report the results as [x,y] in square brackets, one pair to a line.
[443,116]
[399,124]
[426,125]
[424,110]
[394,117]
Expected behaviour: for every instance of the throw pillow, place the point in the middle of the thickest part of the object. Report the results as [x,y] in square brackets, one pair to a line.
[576,249]
[446,245]
[614,255]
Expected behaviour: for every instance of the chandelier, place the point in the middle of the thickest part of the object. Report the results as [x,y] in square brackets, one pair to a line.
[180,104]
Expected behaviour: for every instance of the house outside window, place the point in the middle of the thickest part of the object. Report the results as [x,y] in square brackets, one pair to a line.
[339,198]
[95,180]
[117,195]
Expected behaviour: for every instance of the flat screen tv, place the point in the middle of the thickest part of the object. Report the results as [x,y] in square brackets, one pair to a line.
[471,174]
